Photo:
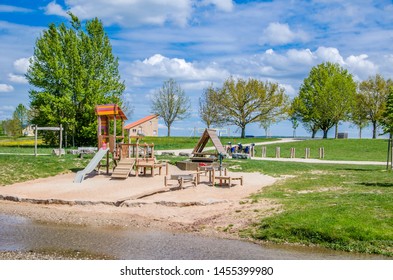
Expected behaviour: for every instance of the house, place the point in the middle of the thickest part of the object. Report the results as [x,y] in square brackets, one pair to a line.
[147,126]
[28,130]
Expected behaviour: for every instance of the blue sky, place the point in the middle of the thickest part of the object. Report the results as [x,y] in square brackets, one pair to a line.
[203,42]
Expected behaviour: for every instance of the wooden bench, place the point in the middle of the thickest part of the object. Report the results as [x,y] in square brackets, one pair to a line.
[181,179]
[225,179]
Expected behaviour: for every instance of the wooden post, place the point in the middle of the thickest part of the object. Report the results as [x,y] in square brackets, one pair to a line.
[35,140]
[61,139]
[278,152]
[307,153]
[263,151]
[321,152]
[293,153]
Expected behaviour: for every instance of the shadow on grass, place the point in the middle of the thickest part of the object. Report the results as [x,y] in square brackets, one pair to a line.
[383,185]
[362,169]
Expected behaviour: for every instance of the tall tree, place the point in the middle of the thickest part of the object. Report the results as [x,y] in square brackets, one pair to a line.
[374,93]
[209,112]
[72,70]
[387,116]
[21,113]
[170,103]
[359,113]
[326,97]
[243,102]
[387,124]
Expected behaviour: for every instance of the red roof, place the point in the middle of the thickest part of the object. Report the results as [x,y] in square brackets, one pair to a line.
[141,121]
[110,110]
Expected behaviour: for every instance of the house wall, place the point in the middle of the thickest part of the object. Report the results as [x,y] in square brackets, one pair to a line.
[149,128]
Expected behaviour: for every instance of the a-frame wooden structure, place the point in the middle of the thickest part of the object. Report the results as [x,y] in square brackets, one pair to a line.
[211,134]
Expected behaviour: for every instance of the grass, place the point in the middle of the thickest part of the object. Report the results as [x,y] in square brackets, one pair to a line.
[346,208]
[16,168]
[335,149]
[168,143]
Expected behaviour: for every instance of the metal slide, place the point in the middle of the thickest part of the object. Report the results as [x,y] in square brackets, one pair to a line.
[80,175]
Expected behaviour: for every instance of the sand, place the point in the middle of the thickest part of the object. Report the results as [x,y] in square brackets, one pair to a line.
[102,201]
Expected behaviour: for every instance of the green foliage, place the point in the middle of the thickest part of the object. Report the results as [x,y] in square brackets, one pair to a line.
[21,113]
[374,92]
[387,116]
[12,127]
[243,102]
[72,70]
[170,103]
[208,110]
[359,113]
[326,97]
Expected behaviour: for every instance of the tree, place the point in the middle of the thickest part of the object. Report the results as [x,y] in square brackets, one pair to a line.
[208,110]
[374,93]
[170,103]
[326,97]
[387,124]
[21,114]
[12,127]
[72,70]
[359,113]
[243,102]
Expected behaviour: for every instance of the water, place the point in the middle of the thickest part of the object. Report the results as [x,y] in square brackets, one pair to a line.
[22,234]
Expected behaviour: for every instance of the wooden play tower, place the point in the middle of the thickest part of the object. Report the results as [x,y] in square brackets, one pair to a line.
[107,117]
[126,156]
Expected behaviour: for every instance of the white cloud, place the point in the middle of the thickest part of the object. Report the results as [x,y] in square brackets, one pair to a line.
[223,5]
[19,79]
[55,9]
[301,56]
[280,34]
[13,9]
[127,12]
[6,88]
[329,55]
[161,66]
[361,66]
[22,65]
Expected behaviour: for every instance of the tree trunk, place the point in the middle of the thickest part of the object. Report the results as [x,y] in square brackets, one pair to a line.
[243,135]
[336,131]
[169,130]
[374,130]
[313,134]
[360,133]
[325,133]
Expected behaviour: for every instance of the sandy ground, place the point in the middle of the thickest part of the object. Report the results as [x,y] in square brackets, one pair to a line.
[102,201]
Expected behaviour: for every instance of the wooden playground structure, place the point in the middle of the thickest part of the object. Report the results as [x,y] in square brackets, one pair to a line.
[126,156]
[139,158]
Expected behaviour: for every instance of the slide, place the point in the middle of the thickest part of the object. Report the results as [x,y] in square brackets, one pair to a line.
[80,175]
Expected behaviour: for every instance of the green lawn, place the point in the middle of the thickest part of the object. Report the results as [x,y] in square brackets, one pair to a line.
[335,149]
[168,143]
[347,208]
[15,168]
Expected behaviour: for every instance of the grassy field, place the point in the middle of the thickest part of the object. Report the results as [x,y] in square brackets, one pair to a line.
[335,149]
[168,143]
[340,207]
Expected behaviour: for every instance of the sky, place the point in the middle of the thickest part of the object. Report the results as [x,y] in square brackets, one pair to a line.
[200,43]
